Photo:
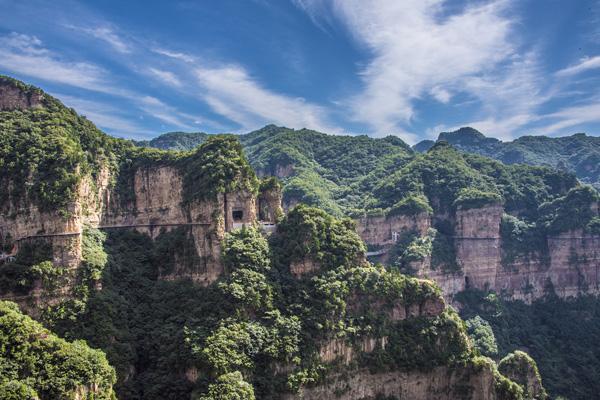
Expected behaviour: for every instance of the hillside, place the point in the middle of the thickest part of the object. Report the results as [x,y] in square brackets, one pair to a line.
[579,153]
[335,173]
[516,231]
[156,258]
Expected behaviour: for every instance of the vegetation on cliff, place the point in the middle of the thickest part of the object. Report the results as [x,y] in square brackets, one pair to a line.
[561,335]
[52,148]
[358,175]
[36,363]
[259,330]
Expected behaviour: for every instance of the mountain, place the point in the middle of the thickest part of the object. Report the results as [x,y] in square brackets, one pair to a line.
[579,153]
[158,259]
[335,173]
[182,268]
[480,228]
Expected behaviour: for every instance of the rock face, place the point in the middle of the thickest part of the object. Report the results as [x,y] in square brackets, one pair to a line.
[154,206]
[571,266]
[379,230]
[13,98]
[269,205]
[442,383]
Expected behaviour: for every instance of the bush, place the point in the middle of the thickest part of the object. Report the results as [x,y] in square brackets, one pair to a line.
[231,386]
[473,198]
[411,205]
[52,367]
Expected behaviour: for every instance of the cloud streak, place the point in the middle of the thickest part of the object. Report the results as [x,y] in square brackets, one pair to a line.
[585,64]
[165,76]
[233,93]
[25,55]
[109,36]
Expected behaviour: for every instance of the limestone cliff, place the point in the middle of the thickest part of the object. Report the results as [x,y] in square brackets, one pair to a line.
[570,262]
[83,178]
[440,384]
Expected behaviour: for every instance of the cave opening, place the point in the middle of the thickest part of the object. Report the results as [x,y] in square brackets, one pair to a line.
[237,215]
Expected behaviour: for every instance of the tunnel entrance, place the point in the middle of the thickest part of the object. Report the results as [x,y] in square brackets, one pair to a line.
[237,215]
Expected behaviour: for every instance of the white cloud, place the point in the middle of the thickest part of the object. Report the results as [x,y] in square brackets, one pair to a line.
[573,116]
[585,64]
[233,93]
[417,51]
[174,54]
[441,95]
[23,54]
[168,114]
[165,76]
[105,116]
[109,36]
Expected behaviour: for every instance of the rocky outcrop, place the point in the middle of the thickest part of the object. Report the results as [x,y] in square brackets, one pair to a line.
[303,267]
[269,203]
[14,98]
[442,383]
[477,243]
[522,369]
[380,230]
[570,266]
[154,205]
[339,350]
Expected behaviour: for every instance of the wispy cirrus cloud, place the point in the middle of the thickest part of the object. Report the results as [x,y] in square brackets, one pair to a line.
[106,116]
[174,54]
[573,116]
[24,54]
[585,64]
[168,114]
[233,93]
[108,35]
[165,76]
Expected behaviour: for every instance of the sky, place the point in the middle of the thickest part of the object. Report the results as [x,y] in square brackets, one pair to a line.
[410,68]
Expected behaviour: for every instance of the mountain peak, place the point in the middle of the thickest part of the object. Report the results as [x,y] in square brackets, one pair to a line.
[467,136]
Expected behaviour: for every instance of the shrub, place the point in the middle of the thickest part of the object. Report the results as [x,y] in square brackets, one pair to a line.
[413,204]
[474,198]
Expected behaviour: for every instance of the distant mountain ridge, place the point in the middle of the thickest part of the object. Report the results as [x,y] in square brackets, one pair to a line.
[175,141]
[578,153]
[336,173]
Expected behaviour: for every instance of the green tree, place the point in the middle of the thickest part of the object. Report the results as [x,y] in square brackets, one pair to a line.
[482,335]
[230,386]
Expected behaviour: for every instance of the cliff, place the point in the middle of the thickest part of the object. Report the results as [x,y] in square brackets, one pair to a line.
[84,179]
[568,262]
[440,384]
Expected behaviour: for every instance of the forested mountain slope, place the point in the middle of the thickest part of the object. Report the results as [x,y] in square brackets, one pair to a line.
[579,153]
[335,173]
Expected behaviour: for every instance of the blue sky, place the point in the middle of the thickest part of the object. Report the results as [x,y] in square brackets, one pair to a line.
[411,68]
